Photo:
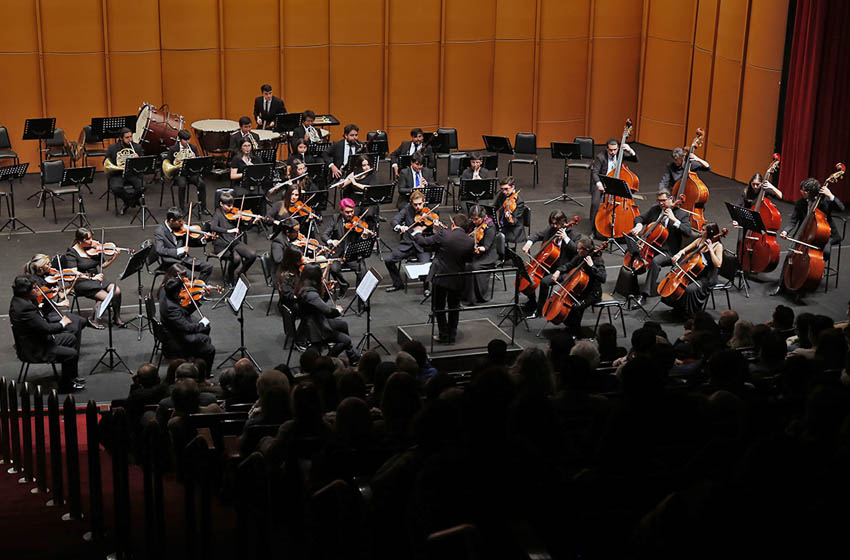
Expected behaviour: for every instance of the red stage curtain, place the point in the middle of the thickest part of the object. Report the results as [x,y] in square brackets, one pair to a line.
[816,124]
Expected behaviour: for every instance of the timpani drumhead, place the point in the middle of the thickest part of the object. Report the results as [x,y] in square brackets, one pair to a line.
[216,125]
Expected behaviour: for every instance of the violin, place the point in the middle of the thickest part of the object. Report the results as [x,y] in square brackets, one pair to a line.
[236,215]
[308,244]
[301,209]
[541,264]
[509,207]
[359,226]
[805,264]
[195,232]
[759,251]
[686,270]
[194,290]
[108,248]
[66,275]
[427,217]
[48,292]
[653,239]
[616,215]
[477,234]
[695,191]
[566,294]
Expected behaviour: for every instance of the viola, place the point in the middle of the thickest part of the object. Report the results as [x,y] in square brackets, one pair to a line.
[194,290]
[616,215]
[509,207]
[653,238]
[566,294]
[805,264]
[695,191]
[759,251]
[541,264]
[686,270]
[108,248]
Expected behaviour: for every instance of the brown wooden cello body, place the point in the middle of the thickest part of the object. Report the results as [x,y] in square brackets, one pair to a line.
[690,185]
[616,215]
[759,251]
[672,287]
[546,258]
[653,238]
[566,294]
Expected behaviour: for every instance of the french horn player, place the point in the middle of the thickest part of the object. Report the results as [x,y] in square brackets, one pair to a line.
[172,164]
[127,187]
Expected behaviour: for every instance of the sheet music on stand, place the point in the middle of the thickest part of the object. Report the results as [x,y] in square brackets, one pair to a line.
[367,286]
[352,162]
[284,123]
[434,194]
[358,249]
[258,177]
[747,219]
[140,165]
[108,127]
[268,155]
[417,270]
[378,194]
[237,296]
[403,162]
[318,149]
[477,189]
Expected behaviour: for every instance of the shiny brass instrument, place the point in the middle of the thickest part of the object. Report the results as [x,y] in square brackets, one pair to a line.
[120,160]
[169,169]
[313,134]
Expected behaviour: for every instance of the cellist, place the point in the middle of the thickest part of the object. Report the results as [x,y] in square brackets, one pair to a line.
[811,189]
[678,229]
[604,163]
[751,192]
[594,266]
[674,170]
[566,240]
[711,252]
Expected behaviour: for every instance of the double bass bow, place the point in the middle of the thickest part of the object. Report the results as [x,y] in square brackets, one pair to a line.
[611,221]
[566,294]
[541,264]
[805,264]
[695,191]
[759,251]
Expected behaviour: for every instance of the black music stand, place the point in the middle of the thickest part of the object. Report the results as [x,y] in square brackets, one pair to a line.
[41,130]
[109,127]
[236,302]
[403,162]
[257,179]
[268,155]
[749,221]
[11,173]
[78,177]
[516,314]
[284,123]
[134,265]
[110,351]
[491,210]
[434,194]
[318,149]
[619,188]
[473,190]
[365,289]
[197,166]
[356,250]
[316,173]
[565,151]
[498,144]
[379,146]
[221,256]
[141,166]
[375,195]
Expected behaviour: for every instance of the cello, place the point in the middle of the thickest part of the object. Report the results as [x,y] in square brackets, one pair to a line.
[804,264]
[609,221]
[566,293]
[686,270]
[541,264]
[759,251]
[695,191]
[650,243]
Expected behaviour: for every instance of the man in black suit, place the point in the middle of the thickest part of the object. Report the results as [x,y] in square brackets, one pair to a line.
[679,229]
[476,170]
[243,133]
[127,187]
[306,131]
[410,147]
[343,150]
[170,252]
[184,337]
[266,107]
[40,340]
[411,178]
[453,249]
[407,246]
[180,180]
[604,163]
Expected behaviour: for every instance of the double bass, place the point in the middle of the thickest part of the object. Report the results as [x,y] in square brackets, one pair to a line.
[651,242]
[566,294]
[616,215]
[759,251]
[695,191]
[541,264]
[805,263]
[686,270]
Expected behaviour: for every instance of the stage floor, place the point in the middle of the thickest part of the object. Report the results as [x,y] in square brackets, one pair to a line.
[264,334]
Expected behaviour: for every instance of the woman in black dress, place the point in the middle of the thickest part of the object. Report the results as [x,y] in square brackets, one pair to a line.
[93,286]
[711,253]
[299,153]
[353,188]
[240,161]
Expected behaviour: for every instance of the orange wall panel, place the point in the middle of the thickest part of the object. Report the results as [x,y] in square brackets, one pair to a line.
[20,99]
[561,90]
[672,19]
[766,49]
[246,71]
[665,93]
[757,126]
[471,20]
[414,76]
[513,75]
[564,20]
[613,90]
[133,26]
[515,19]
[356,86]
[72,27]
[76,89]
[700,91]
[467,100]
[305,80]
[305,23]
[189,25]
[357,22]
[251,24]
[627,23]
[136,78]
[732,29]
[706,26]
[414,22]
[192,84]
[723,115]
[23,35]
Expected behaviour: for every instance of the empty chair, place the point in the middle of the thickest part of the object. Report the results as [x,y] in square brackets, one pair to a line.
[525,145]
[59,147]
[6,151]
[51,174]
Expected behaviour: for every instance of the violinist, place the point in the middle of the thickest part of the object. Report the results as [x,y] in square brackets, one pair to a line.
[476,169]
[299,153]
[172,249]
[228,225]
[407,246]
[39,268]
[412,178]
[484,256]
[320,321]
[566,239]
[678,229]
[674,170]
[127,187]
[594,266]
[510,210]
[337,236]
[42,340]
[79,259]
[337,157]
[285,233]
[184,337]
[183,143]
[453,249]
[711,253]
[604,163]
[410,147]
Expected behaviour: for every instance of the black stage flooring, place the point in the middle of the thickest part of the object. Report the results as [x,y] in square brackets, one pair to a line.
[264,334]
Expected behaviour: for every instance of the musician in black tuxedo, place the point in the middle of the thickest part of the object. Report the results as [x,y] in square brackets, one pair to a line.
[510,222]
[127,187]
[594,266]
[604,163]
[407,246]
[410,147]
[342,150]
[485,256]
[184,337]
[266,107]
[244,133]
[453,248]
[170,251]
[306,131]
[196,179]
[411,178]
[39,339]
[567,241]
[679,231]
[476,169]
